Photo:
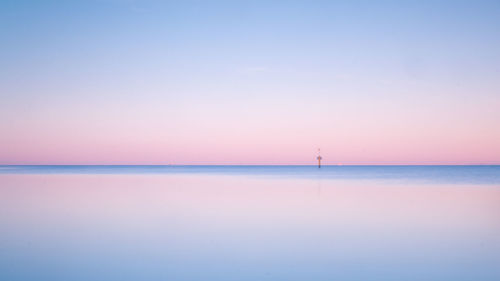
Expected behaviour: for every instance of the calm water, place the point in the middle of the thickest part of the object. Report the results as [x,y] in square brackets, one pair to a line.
[249,223]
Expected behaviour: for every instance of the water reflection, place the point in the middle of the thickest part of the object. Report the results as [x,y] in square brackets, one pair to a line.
[237,227]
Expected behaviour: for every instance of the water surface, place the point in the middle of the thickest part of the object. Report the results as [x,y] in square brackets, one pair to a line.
[249,223]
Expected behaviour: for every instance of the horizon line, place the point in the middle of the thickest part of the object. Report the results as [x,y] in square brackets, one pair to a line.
[219,165]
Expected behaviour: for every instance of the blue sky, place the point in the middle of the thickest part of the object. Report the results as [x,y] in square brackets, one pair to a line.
[420,74]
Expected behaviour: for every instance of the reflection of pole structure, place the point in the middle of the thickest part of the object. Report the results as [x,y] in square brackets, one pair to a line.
[319,158]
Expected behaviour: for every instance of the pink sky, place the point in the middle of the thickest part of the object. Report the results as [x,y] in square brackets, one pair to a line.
[250,133]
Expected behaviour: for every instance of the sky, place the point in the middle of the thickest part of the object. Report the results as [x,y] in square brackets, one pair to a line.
[249,82]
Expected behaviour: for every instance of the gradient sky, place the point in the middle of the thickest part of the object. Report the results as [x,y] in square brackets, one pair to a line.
[249,82]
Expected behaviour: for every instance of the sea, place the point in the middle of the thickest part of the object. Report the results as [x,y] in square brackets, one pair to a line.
[255,223]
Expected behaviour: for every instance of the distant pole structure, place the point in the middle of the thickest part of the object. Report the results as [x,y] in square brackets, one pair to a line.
[319,158]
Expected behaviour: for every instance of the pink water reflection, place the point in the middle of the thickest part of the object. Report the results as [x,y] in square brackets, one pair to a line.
[263,225]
